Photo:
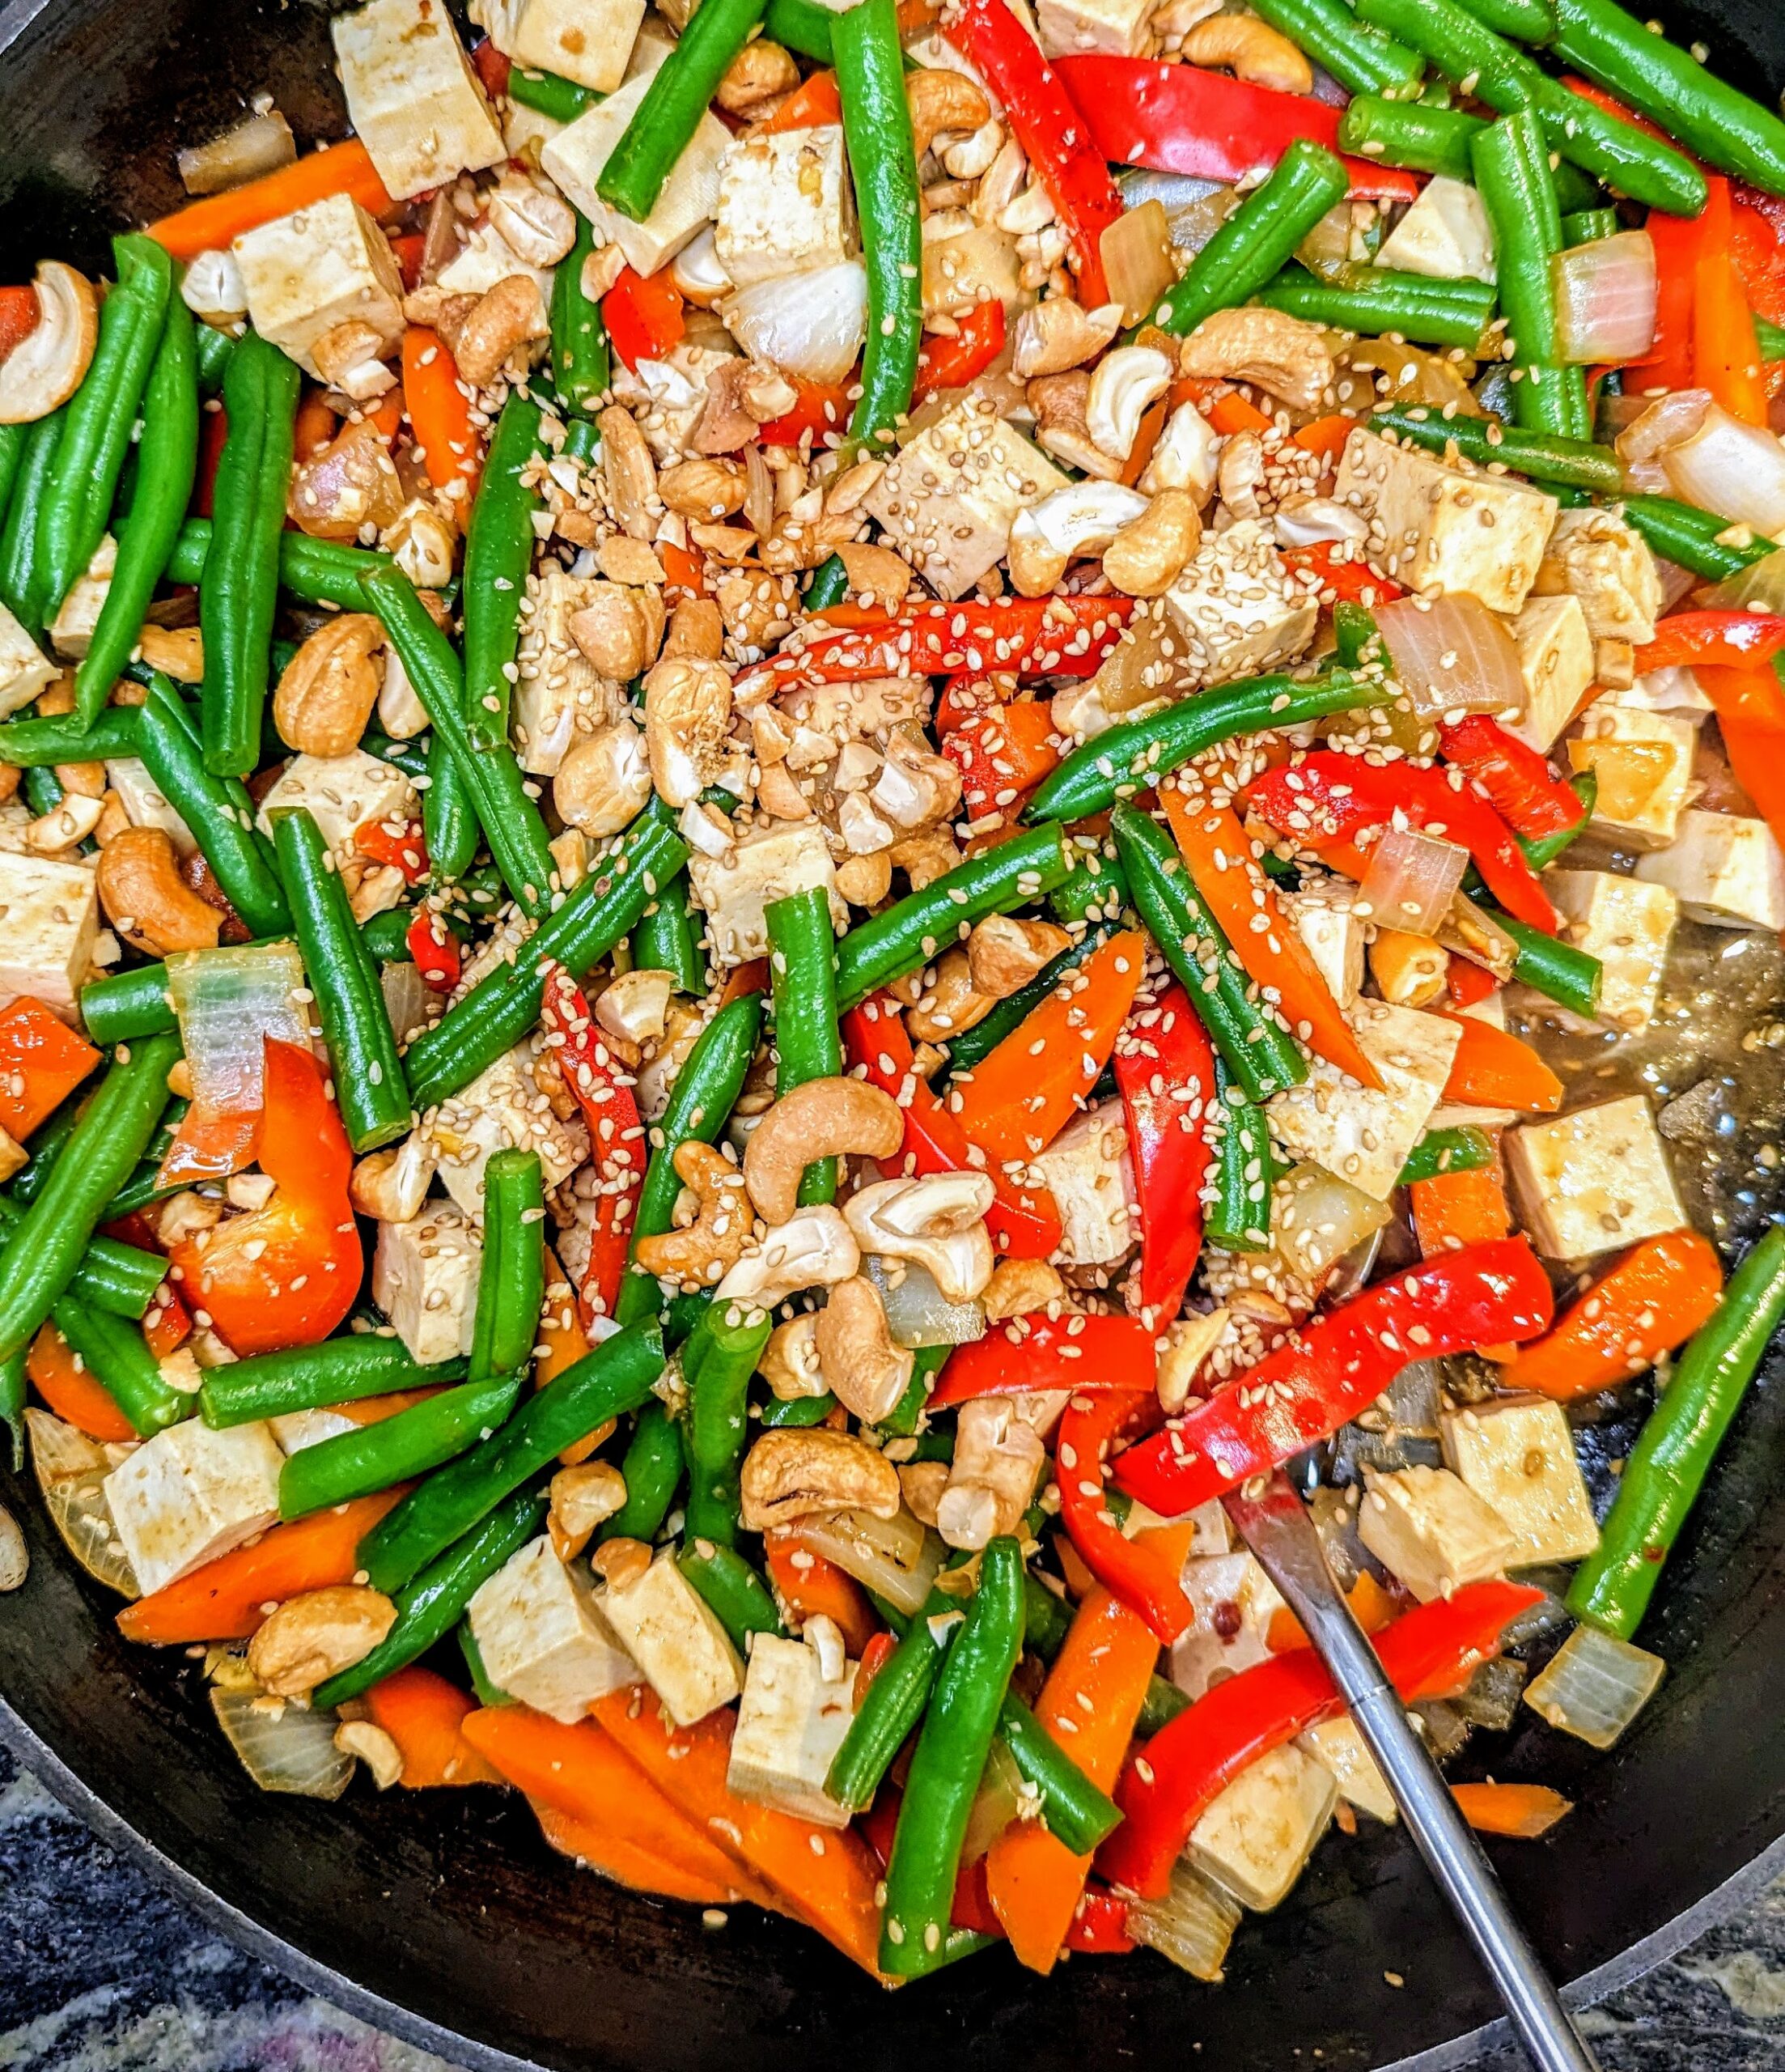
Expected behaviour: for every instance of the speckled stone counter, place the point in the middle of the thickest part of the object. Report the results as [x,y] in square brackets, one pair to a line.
[101,1972]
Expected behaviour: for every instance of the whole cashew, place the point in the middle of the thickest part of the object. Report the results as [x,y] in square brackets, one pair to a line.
[1125,383]
[938,1222]
[795,1475]
[815,1249]
[1147,557]
[817,1120]
[146,900]
[1252,50]
[1081,519]
[997,1460]
[46,368]
[707,1250]
[866,1372]
[1057,335]
[942,99]
[315,1636]
[327,691]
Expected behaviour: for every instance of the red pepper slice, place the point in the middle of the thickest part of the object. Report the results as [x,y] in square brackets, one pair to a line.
[407,851]
[1165,1070]
[643,314]
[1343,575]
[18,317]
[1099,1925]
[952,362]
[41,1061]
[1039,1351]
[615,1133]
[1169,1786]
[1321,1376]
[823,406]
[1517,781]
[1002,752]
[434,950]
[1732,640]
[1136,1573]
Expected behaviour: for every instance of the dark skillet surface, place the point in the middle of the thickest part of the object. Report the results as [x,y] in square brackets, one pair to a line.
[443,1916]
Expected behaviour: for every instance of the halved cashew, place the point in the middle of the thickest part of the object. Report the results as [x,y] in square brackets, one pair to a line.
[923,1483]
[604,779]
[375,1747]
[688,716]
[1187,1343]
[1004,954]
[48,364]
[390,1185]
[1124,386]
[636,1006]
[1147,557]
[503,321]
[942,99]
[1020,1287]
[815,1249]
[937,1221]
[582,1498]
[66,825]
[629,474]
[346,356]
[914,787]
[866,1372]
[1003,180]
[1081,519]
[821,1119]
[797,1475]
[1278,353]
[315,1636]
[1252,50]
[1060,402]
[697,632]
[950,1003]
[997,1460]
[975,154]
[421,541]
[536,226]
[1057,334]
[707,1250]
[789,1360]
[146,900]
[176,650]
[327,691]
[706,487]
[1185,456]
[620,628]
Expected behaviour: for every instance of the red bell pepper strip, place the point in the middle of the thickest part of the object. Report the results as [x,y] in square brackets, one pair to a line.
[1332,798]
[1129,1570]
[1024,1222]
[1750,707]
[1732,640]
[42,1060]
[1099,1925]
[1172,1783]
[1679,243]
[406,851]
[823,406]
[643,314]
[1515,780]
[1322,1375]
[1725,350]
[1178,118]
[1343,575]
[952,362]
[1002,752]
[616,1134]
[1039,1351]
[1165,1070]
[434,949]
[1070,166]
[18,316]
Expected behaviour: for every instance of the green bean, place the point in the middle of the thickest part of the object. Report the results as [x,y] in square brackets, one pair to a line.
[549,93]
[370,1087]
[42,792]
[966,1050]
[314,571]
[1531,21]
[1096,891]
[663,123]
[582,366]
[1545,456]
[12,1405]
[829,586]
[213,350]
[892,1706]
[1376,299]
[428,1607]
[501,1007]
[652,1471]
[486,1693]
[386,935]
[1541,853]
[921,925]
[23,588]
[667,938]
[719,1358]
[46,1143]
[449,823]
[498,552]
[736,1596]
[615,1376]
[315,1377]
[122,1280]
[808,1045]
[167,466]
[14,439]
[1409,134]
[1358,58]
[1073,1809]
[115,1352]
[798,1413]
[1161,1705]
[1511,161]
[1771,338]
[1552,967]
[1238,1217]
[1464,1150]
[1587,226]
[128,1004]
[375,1457]
[511,1282]
[801,25]
[1257,238]
[1694,538]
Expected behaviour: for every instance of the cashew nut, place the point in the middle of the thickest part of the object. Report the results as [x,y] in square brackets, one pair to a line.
[1080,519]
[1252,50]
[177,651]
[1020,1287]
[329,688]
[702,1254]
[821,1119]
[1060,402]
[582,1498]
[998,1460]
[603,781]
[1241,475]
[49,363]
[937,1221]
[950,1003]
[509,317]
[422,542]
[1280,353]
[620,628]
[1410,971]
[974,155]
[813,1249]
[1184,458]
[1004,954]
[940,98]
[866,1372]
[346,356]
[789,1360]
[375,1747]
[1147,557]
[697,632]
[797,1475]
[212,289]
[703,488]
[390,1185]
[146,900]
[65,826]
[914,787]
[762,71]
[315,1636]
[537,228]
[628,475]
[1057,334]
[636,1006]
[1187,1343]
[688,716]
[1124,386]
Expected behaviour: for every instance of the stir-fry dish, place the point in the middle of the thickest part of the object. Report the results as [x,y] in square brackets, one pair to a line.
[788,842]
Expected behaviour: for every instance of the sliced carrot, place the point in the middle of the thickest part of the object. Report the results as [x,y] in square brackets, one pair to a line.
[1152,423]
[78,1397]
[1453,1210]
[227,1598]
[1652,1300]
[742,979]
[422,1714]
[42,1060]
[1224,407]
[208,225]
[315,426]
[1493,1068]
[809,1586]
[1326,436]
[375,1409]
[809,107]
[440,412]
[596,1847]
[1525,1810]
[1371,1606]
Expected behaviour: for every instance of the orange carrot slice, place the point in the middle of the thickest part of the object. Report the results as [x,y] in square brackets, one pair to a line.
[1524,1810]
[208,225]
[422,1714]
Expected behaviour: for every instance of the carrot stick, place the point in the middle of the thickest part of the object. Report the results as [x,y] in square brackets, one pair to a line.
[440,413]
[592,1846]
[315,426]
[227,1598]
[809,1586]
[212,223]
[1370,1604]
[1455,1209]
[1525,1810]
[811,106]
[1493,1068]
[422,1714]
[78,1397]
[1089,1703]
[1326,436]
[1653,1300]
[1227,410]
[41,1061]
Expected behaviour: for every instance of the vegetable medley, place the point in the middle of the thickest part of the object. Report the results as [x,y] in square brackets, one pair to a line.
[787,796]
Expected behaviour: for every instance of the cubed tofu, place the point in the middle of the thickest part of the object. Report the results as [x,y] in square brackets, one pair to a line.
[298,1428]
[784,205]
[1593,1181]
[144,804]
[1115,28]
[1233,1600]
[1091,1177]
[1601,559]
[189,1494]
[502,1108]
[1627,925]
[575,156]
[674,1636]
[949,499]
[1445,234]
[343,791]
[486,257]
[425,1279]
[1677,690]
[1518,1455]
[1338,1746]
[26,671]
[543,1638]
[412,96]
[966,263]
[1363,1134]
[1237,608]
[50,911]
[71,630]
[1254,1840]
[1325,915]
[1643,763]
[559,692]
[791,1720]
[1431,1531]
[1725,869]
[587,40]
[1435,528]
[324,265]
[763,865]
[1555,654]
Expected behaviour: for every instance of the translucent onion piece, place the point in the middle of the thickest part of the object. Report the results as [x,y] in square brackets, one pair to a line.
[1136,259]
[758,490]
[408,999]
[1595,1686]
[896,1558]
[1326,250]
[1712,459]
[71,1471]
[15,1556]
[1443,1727]
[1453,655]
[1410,1400]
[917,1313]
[227,1003]
[999,1801]
[1192,1925]
[260,144]
[1411,880]
[810,325]
[1414,375]
[1606,296]
[1474,933]
[284,1745]
[1315,1218]
[1759,587]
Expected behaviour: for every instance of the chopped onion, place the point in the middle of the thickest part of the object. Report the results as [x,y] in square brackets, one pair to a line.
[14,1555]
[998,1803]
[810,325]
[917,1313]
[1192,1925]
[284,1745]
[1315,1218]
[1451,654]
[1759,587]
[1443,1729]
[71,1471]
[1136,251]
[408,1000]
[1411,880]
[1472,931]
[260,144]
[1195,209]
[1711,458]
[1606,296]
[1410,1401]
[758,498]
[896,1558]
[1595,1686]
[1414,375]
[227,1002]
[1326,250]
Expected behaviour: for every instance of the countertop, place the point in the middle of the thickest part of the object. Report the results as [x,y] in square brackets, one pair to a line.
[101,1971]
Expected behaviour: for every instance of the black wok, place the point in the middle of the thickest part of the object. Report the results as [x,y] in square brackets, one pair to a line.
[442,1916]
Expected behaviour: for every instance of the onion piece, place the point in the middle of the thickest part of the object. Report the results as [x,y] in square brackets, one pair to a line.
[1492,1698]
[998,1802]
[1326,250]
[1711,458]
[1759,587]
[1192,1925]
[1605,295]
[1472,931]
[227,1002]
[284,1745]
[1411,880]
[917,1313]
[71,1471]
[1315,1218]
[260,144]
[1595,1686]
[1136,251]
[810,325]
[14,1555]
[896,1558]
[758,491]
[408,1001]
[1451,655]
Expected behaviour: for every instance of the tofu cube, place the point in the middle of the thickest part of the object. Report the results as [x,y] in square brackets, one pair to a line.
[1115,28]
[575,156]
[671,1632]
[343,791]
[1233,1600]
[1325,915]
[1518,1455]
[559,692]
[1431,1531]
[1644,762]
[26,671]
[542,1637]
[1237,610]
[322,265]
[1601,559]
[189,1494]
[1362,1134]
[1555,652]
[1339,1747]
[587,40]
[1446,234]
[784,205]
[1593,1181]
[502,1107]
[1726,870]
[763,865]
[486,257]
[1627,925]
[71,630]
[1435,528]
[143,804]
[791,1720]
[50,911]
[949,499]
[412,96]
[298,1428]
[1254,1840]
[1091,1177]
[425,1279]
[966,263]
